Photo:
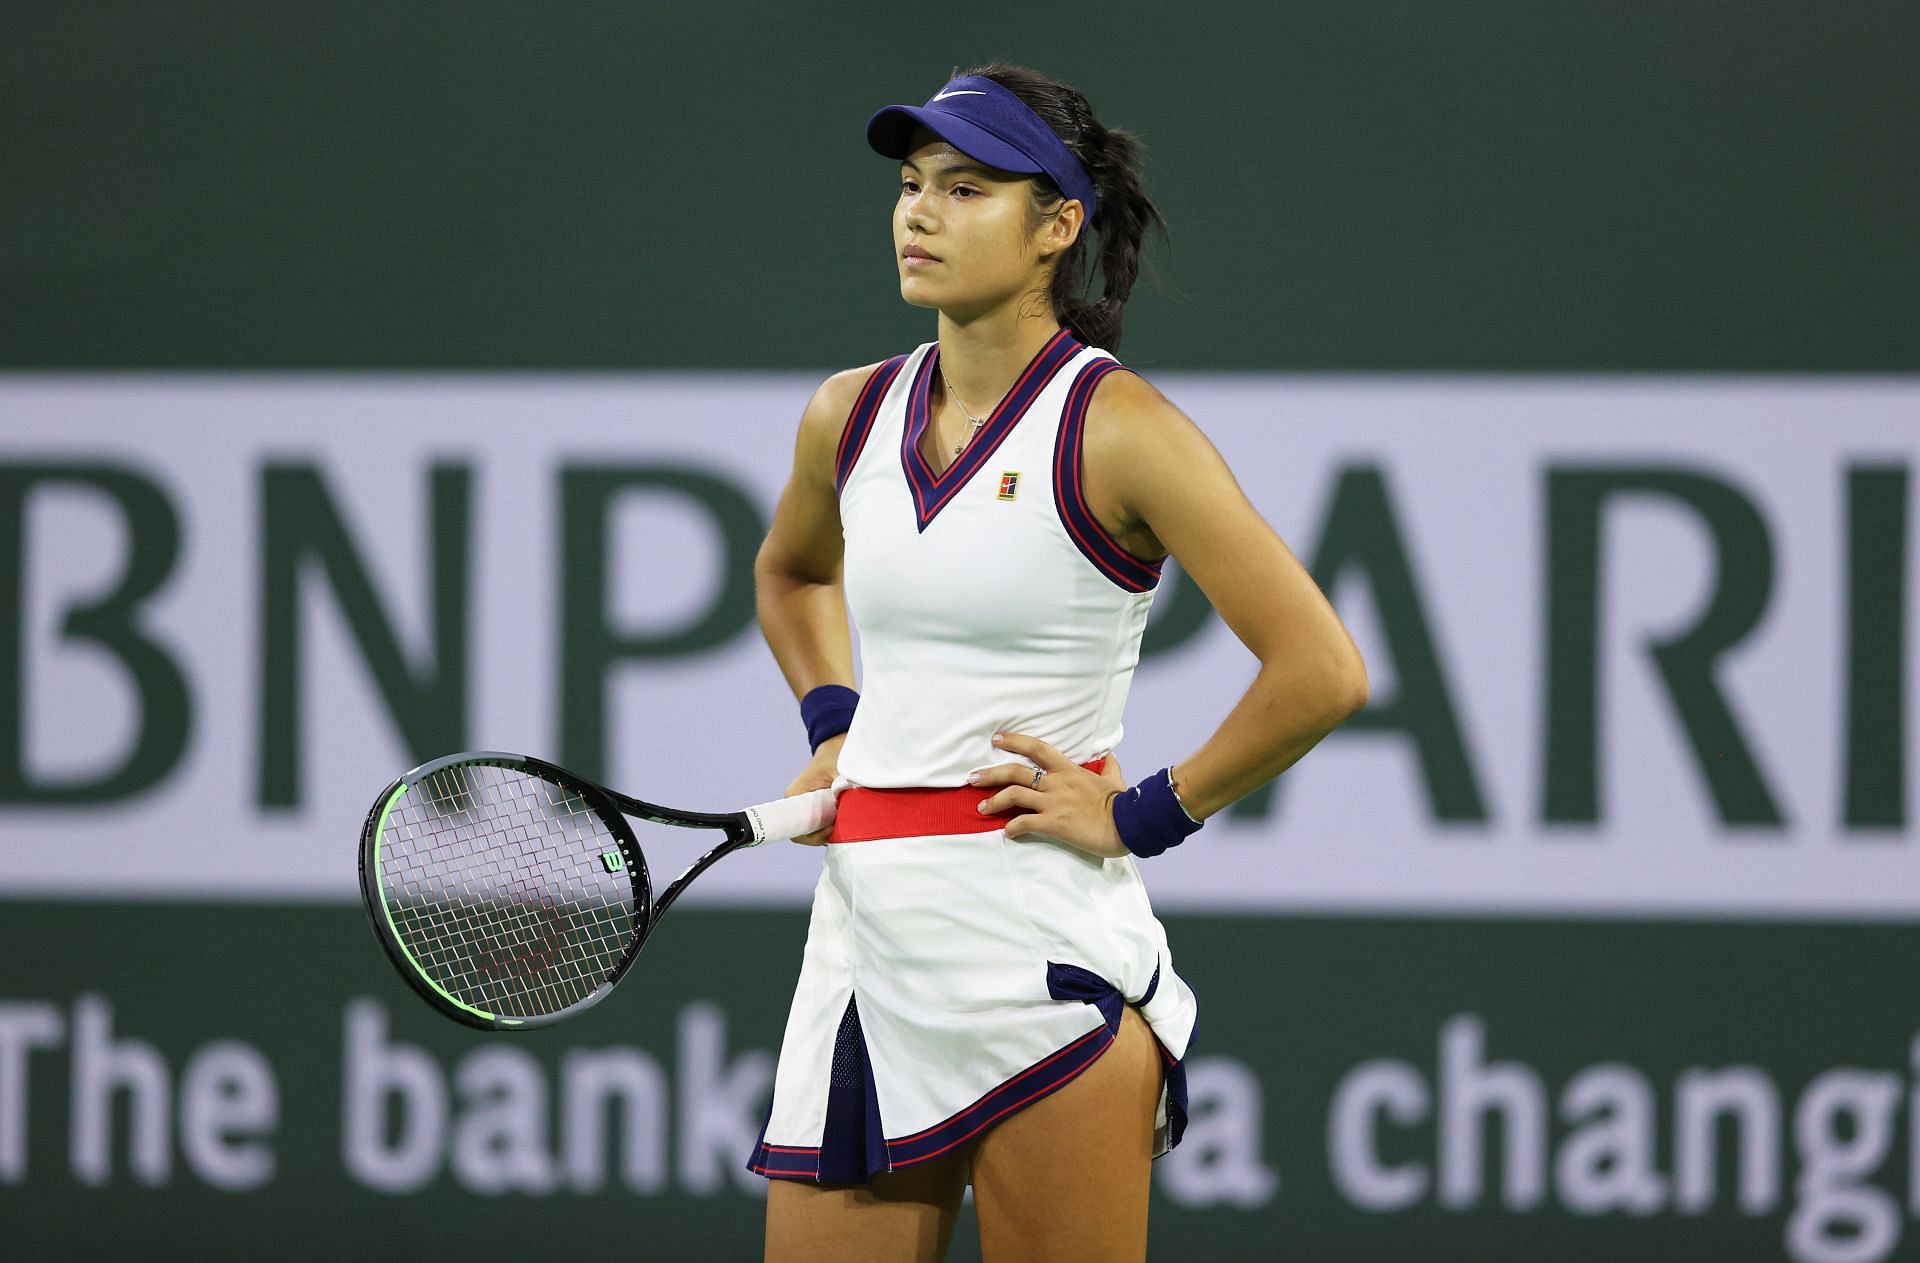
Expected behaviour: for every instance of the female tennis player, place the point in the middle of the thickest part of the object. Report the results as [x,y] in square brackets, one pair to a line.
[986,996]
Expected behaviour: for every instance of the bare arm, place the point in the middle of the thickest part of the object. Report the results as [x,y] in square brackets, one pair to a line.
[1149,467]
[797,585]
[797,573]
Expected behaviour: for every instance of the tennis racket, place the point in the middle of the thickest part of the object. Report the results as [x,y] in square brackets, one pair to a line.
[511,893]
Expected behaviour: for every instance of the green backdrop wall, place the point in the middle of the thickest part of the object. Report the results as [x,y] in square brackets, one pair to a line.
[1390,185]
[1595,1015]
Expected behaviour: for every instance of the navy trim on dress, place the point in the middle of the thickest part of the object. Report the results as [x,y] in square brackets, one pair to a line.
[932,491]
[1044,1077]
[853,437]
[1153,985]
[1047,1075]
[1176,1102]
[852,1148]
[1070,497]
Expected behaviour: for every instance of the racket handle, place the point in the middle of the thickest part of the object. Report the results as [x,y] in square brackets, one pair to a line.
[791,817]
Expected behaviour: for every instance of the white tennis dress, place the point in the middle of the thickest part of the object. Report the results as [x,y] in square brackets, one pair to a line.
[949,980]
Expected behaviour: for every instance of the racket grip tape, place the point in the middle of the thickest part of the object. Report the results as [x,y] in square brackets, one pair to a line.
[791,817]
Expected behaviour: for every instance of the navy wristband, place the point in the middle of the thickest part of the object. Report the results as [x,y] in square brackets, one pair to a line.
[827,711]
[1150,819]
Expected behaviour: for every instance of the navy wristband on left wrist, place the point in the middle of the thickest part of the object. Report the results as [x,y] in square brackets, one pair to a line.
[1149,817]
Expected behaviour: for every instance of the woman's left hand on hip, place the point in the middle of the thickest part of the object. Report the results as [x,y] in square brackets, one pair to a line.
[1070,804]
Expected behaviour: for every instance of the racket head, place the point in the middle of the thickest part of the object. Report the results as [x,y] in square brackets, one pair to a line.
[508,892]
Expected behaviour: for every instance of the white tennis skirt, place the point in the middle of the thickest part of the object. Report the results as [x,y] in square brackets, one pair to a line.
[948,981]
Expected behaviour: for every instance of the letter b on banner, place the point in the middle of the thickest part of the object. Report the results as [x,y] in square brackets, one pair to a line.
[109,622]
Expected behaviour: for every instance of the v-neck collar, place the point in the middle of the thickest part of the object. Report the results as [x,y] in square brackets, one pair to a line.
[932,491]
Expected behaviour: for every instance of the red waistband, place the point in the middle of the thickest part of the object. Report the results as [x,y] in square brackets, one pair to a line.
[867,815]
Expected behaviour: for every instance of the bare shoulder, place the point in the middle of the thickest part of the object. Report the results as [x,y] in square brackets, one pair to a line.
[1129,418]
[832,401]
[824,420]
[1135,436]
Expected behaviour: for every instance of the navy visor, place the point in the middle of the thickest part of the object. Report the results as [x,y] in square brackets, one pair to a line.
[986,121]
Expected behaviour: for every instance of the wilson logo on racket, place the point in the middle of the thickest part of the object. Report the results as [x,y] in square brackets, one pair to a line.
[613,861]
[1009,484]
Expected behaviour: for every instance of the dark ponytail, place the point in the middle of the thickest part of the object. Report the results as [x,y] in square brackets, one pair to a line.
[1111,158]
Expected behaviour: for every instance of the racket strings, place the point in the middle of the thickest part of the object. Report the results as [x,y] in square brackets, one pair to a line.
[514,932]
[496,884]
[538,929]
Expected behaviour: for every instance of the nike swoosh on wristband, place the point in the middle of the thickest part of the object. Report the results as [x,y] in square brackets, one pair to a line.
[963,92]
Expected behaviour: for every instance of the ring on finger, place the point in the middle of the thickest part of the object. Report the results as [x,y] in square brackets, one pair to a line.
[1037,774]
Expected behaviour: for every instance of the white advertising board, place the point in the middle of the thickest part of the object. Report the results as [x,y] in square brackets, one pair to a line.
[1712,577]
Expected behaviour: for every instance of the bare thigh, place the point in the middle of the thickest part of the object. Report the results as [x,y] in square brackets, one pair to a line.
[1065,1179]
[900,1217]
